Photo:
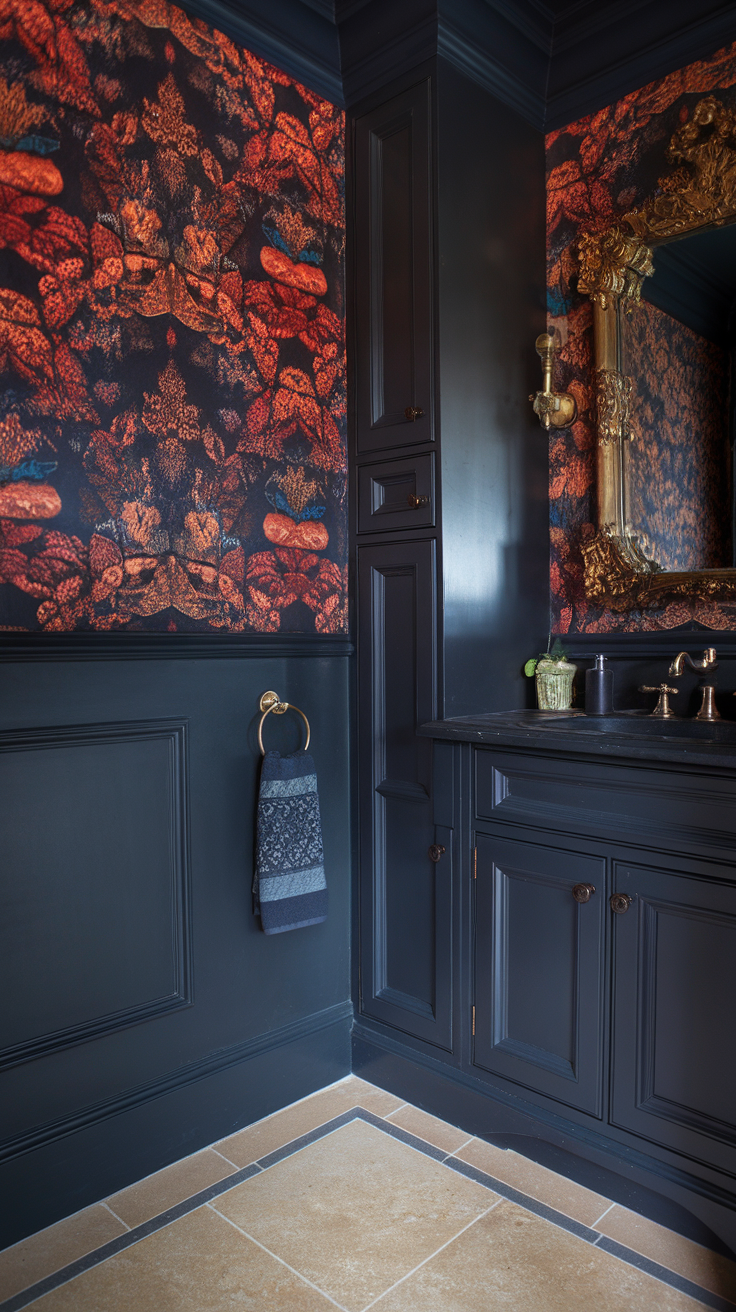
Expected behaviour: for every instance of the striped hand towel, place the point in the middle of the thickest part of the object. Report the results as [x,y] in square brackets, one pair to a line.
[289,885]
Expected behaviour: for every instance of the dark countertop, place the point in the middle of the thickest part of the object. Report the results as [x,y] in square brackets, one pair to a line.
[574,732]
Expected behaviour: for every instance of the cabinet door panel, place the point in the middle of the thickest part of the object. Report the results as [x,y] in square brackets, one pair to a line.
[674,1071]
[539,969]
[406,897]
[394,338]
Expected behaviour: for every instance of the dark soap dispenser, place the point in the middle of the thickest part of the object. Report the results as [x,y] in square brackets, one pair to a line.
[599,688]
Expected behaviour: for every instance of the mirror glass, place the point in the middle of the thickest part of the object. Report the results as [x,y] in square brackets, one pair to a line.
[678,346]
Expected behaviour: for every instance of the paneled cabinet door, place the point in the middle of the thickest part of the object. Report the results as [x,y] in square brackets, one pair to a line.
[393,263]
[674,1057]
[539,968]
[406,909]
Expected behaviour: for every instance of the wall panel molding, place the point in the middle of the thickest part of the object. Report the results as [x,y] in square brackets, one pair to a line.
[174,735]
[173,1081]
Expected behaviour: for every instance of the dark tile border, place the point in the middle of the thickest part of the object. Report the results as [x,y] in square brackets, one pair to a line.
[593,1237]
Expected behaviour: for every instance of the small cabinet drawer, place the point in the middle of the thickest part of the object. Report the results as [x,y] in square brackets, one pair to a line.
[660,805]
[396,494]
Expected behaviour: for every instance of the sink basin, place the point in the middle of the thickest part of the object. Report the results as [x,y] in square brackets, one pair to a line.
[637,724]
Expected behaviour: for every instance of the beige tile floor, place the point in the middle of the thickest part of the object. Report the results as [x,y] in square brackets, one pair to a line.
[358,1219]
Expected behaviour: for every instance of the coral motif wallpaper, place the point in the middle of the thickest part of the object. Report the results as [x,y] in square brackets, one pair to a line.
[597,169]
[172,412]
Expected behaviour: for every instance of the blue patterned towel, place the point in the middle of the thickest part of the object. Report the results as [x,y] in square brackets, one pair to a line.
[289,885]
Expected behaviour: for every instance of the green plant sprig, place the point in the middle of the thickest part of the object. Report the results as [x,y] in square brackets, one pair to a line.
[557,655]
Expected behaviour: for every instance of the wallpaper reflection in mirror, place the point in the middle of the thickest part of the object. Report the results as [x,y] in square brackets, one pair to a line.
[172,417]
[598,168]
[678,462]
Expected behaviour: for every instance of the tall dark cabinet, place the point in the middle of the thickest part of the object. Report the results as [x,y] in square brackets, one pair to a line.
[450,504]
[405,977]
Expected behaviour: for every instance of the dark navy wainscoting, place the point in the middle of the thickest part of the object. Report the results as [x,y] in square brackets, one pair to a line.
[145,1013]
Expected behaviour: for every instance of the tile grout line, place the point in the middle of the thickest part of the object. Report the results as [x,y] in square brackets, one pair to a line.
[117,1218]
[419,1265]
[600,1218]
[276,1258]
[657,1271]
[69,1272]
[461,1146]
[394,1110]
[224,1158]
[72,1270]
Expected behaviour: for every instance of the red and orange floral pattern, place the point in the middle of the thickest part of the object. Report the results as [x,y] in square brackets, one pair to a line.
[597,169]
[172,417]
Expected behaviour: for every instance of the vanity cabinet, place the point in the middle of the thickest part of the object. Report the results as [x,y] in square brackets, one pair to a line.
[613,1012]
[673,1008]
[539,968]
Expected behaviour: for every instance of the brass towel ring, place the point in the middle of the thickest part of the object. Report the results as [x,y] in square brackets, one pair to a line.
[270,701]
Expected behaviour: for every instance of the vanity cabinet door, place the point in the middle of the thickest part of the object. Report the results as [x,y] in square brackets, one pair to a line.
[406,907]
[674,1056]
[539,969]
[393,263]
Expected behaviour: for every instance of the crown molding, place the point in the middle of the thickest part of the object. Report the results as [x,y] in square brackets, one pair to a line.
[506,56]
[550,63]
[300,37]
[598,56]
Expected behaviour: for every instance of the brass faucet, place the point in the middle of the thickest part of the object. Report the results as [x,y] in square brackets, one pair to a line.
[708,709]
[684,658]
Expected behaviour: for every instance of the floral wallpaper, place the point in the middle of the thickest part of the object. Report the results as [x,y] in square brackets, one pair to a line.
[172,411]
[597,169]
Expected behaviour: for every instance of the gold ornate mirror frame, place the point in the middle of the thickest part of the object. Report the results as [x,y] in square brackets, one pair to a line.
[700,192]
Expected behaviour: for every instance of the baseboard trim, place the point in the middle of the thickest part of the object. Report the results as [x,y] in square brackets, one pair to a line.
[376,1053]
[174,1081]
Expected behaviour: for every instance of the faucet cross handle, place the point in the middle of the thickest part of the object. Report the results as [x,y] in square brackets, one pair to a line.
[662,709]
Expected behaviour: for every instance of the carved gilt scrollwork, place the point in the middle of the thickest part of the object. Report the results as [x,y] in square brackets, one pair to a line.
[613,395]
[612,264]
[617,573]
[701,192]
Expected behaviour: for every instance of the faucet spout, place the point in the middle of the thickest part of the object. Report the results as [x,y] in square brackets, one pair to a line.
[684,658]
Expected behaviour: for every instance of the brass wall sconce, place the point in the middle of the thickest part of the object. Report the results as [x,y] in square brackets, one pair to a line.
[553,409]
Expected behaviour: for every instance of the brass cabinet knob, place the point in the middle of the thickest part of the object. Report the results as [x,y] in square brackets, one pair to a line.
[415,502]
[436,851]
[583,892]
[620,902]
[413,412]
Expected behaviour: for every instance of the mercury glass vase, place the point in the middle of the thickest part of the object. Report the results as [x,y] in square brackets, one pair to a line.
[554,681]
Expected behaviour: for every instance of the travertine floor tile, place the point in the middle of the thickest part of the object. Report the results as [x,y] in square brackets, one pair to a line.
[140,1201]
[49,1250]
[679,1254]
[530,1178]
[198,1264]
[257,1140]
[513,1261]
[355,1211]
[429,1128]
